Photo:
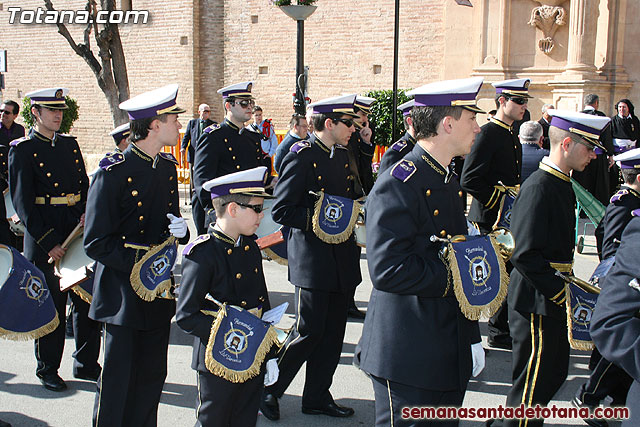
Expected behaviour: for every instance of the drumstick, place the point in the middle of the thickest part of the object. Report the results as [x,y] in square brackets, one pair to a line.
[68,239]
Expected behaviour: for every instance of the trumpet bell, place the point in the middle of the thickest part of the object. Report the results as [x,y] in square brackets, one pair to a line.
[506,242]
[283,334]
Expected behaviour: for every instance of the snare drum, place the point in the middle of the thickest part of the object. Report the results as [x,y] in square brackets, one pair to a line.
[27,310]
[75,267]
[267,225]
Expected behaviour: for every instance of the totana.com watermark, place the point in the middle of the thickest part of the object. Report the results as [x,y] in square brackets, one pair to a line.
[43,16]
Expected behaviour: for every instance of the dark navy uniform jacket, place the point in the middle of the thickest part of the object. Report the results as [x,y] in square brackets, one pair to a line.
[414,332]
[191,136]
[129,199]
[360,156]
[6,136]
[616,218]
[543,226]
[221,150]
[496,155]
[614,326]
[314,264]
[42,170]
[397,151]
[213,264]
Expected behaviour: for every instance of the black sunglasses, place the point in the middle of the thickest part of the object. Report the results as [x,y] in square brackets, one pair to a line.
[6,112]
[347,122]
[518,100]
[256,208]
[245,103]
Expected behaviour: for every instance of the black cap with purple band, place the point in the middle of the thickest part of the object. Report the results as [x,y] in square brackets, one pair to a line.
[120,132]
[52,98]
[586,126]
[153,103]
[514,87]
[237,90]
[248,182]
[449,93]
[343,104]
[629,159]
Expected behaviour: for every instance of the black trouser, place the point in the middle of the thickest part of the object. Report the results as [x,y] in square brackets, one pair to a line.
[391,397]
[87,336]
[540,360]
[225,404]
[49,348]
[133,374]
[321,318]
[606,379]
[498,323]
[198,214]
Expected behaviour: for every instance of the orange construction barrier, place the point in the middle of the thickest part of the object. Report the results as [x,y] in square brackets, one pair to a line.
[184,174]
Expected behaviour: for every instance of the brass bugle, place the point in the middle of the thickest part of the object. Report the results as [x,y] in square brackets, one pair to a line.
[582,284]
[513,193]
[503,237]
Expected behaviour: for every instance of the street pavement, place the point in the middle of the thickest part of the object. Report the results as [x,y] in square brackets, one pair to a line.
[24,402]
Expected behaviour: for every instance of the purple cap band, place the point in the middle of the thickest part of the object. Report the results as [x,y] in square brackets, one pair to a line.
[630,164]
[224,189]
[598,151]
[234,92]
[561,123]
[443,100]
[151,111]
[330,108]
[500,89]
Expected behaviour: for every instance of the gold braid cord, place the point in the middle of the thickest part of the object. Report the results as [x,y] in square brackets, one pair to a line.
[216,368]
[334,238]
[136,283]
[575,343]
[474,312]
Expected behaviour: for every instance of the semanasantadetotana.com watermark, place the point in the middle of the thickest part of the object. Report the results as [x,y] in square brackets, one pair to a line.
[43,16]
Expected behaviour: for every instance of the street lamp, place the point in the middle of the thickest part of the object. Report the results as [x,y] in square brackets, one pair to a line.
[299,13]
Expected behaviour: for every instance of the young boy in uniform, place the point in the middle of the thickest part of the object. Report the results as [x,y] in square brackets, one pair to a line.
[226,264]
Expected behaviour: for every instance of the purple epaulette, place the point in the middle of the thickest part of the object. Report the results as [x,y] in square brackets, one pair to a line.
[635,212]
[618,196]
[202,238]
[399,145]
[299,146]
[110,160]
[169,156]
[18,141]
[403,170]
[211,128]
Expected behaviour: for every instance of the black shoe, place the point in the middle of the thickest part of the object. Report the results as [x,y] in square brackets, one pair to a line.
[53,382]
[503,342]
[593,422]
[89,376]
[269,406]
[332,409]
[354,313]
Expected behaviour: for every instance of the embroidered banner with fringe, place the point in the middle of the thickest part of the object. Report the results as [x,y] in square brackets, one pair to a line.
[504,213]
[27,310]
[580,305]
[479,275]
[238,343]
[334,218]
[151,276]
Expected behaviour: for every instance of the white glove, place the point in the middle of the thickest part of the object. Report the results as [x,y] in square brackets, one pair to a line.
[178,226]
[477,355]
[271,376]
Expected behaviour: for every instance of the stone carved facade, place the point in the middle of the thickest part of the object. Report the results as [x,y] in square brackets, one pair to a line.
[548,19]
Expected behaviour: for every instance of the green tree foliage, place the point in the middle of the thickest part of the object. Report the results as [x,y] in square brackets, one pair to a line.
[382,115]
[69,115]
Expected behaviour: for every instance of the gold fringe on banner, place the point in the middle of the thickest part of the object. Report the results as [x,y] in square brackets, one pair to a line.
[136,282]
[216,368]
[472,312]
[84,295]
[32,335]
[574,343]
[334,238]
[275,257]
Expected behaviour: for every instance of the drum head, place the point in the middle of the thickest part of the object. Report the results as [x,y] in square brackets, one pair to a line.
[6,263]
[267,225]
[72,268]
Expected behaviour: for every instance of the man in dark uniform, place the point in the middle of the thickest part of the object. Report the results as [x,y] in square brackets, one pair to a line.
[223,149]
[48,185]
[606,378]
[297,132]
[226,264]
[404,145]
[120,136]
[596,176]
[9,130]
[324,274]
[615,325]
[530,137]
[133,206]
[412,305]
[496,156]
[543,225]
